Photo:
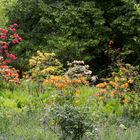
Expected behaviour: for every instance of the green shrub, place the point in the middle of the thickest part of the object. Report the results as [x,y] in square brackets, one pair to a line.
[69,121]
[79,29]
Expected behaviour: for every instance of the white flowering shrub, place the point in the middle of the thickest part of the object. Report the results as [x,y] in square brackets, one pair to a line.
[77,69]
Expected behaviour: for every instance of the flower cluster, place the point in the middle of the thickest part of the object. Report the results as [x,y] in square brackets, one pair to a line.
[12,27]
[78,69]
[61,82]
[8,38]
[10,75]
[118,85]
[44,64]
[3,33]
[15,38]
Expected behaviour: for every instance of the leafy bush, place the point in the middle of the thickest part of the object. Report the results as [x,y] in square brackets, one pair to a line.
[79,30]
[8,38]
[68,121]
[119,94]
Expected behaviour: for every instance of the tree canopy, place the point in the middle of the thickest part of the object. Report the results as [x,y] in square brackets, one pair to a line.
[81,29]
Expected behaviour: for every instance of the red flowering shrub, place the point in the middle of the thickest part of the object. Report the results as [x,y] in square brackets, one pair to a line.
[8,38]
[10,75]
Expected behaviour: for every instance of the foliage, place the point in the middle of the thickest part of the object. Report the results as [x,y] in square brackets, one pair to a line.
[2,15]
[29,126]
[72,112]
[59,20]
[66,105]
[25,125]
[117,132]
[73,122]
[120,90]
[81,30]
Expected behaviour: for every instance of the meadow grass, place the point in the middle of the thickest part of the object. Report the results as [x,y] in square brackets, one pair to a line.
[22,116]
[28,126]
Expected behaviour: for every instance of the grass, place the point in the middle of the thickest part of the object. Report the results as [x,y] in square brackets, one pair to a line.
[22,111]
[28,126]
[112,132]
[24,126]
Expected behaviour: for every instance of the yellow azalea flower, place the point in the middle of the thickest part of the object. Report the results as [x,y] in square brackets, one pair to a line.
[32,62]
[39,53]
[116,79]
[46,55]
[50,69]
[52,54]
[33,74]
[38,62]
[34,58]
[108,87]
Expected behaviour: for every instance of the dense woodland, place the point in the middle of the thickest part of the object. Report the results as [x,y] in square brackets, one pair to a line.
[98,32]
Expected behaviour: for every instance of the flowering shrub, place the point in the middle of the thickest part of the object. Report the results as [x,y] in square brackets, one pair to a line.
[78,69]
[8,38]
[120,83]
[43,65]
[120,89]
[61,82]
[10,75]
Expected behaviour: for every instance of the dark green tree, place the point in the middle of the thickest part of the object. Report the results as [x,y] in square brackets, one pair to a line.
[80,29]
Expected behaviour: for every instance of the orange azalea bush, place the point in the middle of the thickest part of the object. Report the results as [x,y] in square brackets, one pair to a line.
[61,82]
[118,94]
[119,85]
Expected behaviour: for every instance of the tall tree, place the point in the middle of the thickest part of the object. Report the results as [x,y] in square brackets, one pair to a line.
[81,29]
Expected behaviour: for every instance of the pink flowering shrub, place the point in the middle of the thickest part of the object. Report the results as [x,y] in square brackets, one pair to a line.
[8,38]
